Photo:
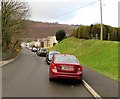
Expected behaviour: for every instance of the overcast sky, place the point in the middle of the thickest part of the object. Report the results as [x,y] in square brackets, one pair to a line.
[84,12]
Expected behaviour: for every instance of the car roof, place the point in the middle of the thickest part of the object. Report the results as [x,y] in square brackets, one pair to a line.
[65,55]
[43,48]
[54,52]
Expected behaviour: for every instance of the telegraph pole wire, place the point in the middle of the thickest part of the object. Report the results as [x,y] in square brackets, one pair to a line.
[69,11]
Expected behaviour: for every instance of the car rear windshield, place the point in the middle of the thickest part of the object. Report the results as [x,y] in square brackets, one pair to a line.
[66,59]
[43,49]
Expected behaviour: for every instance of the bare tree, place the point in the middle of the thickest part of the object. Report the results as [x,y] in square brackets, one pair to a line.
[14,15]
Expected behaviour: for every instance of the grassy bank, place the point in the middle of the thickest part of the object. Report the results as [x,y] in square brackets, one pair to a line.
[99,55]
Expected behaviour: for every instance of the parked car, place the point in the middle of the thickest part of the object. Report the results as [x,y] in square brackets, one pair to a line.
[34,49]
[23,44]
[42,52]
[38,48]
[30,48]
[65,67]
[27,46]
[49,56]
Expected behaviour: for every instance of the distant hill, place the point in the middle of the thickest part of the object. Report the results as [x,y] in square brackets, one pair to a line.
[45,29]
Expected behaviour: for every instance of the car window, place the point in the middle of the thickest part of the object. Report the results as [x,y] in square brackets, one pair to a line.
[66,59]
[43,49]
[51,55]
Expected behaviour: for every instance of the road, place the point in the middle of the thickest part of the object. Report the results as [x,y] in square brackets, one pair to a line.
[28,77]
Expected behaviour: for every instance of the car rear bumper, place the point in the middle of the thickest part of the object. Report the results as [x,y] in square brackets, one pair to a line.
[34,50]
[60,75]
[44,54]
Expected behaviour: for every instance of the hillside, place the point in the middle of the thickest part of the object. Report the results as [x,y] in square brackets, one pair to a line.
[99,55]
[45,29]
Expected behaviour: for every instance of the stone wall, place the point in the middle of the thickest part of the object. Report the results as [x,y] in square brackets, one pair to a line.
[9,54]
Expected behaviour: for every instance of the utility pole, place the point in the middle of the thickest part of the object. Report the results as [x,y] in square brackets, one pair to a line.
[101,33]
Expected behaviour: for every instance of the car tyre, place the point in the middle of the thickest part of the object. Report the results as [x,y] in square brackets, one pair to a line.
[48,63]
[51,79]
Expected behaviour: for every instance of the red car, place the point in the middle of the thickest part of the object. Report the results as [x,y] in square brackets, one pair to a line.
[65,67]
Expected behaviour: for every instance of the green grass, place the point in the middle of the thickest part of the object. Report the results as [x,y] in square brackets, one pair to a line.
[101,56]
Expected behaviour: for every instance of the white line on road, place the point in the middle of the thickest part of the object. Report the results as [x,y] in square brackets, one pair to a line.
[92,91]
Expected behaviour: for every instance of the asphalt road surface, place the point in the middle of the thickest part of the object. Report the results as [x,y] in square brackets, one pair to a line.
[28,77]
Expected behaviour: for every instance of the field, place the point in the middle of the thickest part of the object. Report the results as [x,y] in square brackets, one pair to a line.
[44,29]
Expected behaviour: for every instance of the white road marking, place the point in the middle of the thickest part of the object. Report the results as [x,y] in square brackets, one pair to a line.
[92,91]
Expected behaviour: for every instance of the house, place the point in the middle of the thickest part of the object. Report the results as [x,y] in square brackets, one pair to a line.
[47,42]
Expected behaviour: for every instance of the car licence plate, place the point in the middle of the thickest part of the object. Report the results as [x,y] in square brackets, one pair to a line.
[67,68]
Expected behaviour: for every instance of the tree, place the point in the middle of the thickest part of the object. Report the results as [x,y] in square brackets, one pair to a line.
[118,34]
[75,32]
[113,33]
[60,34]
[80,32]
[95,31]
[86,32]
[14,14]
[106,32]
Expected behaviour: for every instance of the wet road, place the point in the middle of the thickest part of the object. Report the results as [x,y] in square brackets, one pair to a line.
[28,77]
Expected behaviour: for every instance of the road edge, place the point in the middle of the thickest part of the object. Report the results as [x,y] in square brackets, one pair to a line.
[2,63]
[91,90]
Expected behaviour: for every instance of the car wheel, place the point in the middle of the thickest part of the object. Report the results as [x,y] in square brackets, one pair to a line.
[48,63]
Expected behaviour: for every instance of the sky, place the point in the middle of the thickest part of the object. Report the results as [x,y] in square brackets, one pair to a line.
[85,12]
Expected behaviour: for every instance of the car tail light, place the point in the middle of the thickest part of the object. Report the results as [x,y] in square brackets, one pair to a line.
[53,67]
[80,68]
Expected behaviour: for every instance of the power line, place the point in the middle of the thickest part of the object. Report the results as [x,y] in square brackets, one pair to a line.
[70,11]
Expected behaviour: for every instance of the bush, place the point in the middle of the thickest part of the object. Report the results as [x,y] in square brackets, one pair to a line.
[60,34]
